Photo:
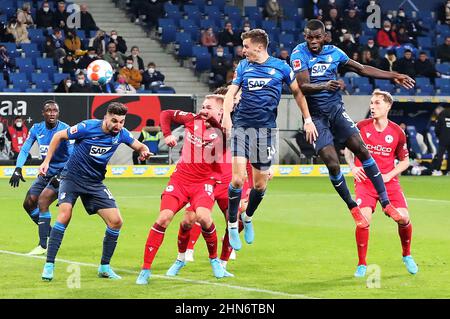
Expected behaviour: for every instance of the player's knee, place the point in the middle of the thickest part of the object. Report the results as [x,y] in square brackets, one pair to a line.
[165,217]
[334,168]
[260,185]
[43,203]
[205,221]
[238,181]
[116,223]
[29,204]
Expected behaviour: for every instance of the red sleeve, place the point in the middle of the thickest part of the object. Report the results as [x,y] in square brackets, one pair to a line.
[168,117]
[401,151]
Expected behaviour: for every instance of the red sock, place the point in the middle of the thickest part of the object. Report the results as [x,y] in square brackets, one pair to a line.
[405,232]
[154,241]
[210,236]
[226,247]
[183,238]
[194,234]
[362,241]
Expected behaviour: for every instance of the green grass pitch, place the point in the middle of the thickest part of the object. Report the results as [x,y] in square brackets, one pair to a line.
[304,247]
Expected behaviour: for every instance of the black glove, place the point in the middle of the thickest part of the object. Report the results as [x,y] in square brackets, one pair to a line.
[16,177]
[55,181]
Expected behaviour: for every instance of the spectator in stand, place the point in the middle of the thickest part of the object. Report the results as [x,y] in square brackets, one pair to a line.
[106,88]
[69,64]
[60,16]
[352,23]
[373,48]
[152,78]
[138,63]
[7,64]
[238,52]
[64,85]
[81,85]
[44,16]
[116,59]
[54,46]
[153,10]
[99,43]
[273,11]
[17,134]
[4,35]
[120,43]
[401,19]
[24,15]
[387,63]
[352,5]
[347,43]
[333,16]
[133,76]
[245,28]
[443,51]
[313,10]
[424,67]
[209,39]
[444,12]
[87,22]
[72,43]
[229,38]
[284,55]
[403,36]
[356,57]
[219,68]
[367,59]
[86,59]
[122,86]
[330,5]
[406,65]
[5,148]
[230,72]
[386,37]
[18,31]
[335,33]
[443,134]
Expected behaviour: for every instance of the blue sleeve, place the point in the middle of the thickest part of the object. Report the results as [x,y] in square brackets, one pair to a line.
[77,131]
[126,137]
[237,78]
[26,147]
[298,61]
[288,74]
[342,56]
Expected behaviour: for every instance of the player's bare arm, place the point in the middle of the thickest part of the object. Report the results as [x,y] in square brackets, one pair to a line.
[370,71]
[228,107]
[358,172]
[309,127]
[398,169]
[56,140]
[142,149]
[309,88]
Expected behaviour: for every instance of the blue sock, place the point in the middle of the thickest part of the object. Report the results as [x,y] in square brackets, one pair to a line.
[372,171]
[234,199]
[56,237]
[254,199]
[44,226]
[34,215]
[109,244]
[341,187]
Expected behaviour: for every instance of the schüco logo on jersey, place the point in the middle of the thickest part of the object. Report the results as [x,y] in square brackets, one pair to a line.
[255,84]
[98,151]
[319,69]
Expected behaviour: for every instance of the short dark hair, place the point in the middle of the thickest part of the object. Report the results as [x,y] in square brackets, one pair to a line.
[315,24]
[221,90]
[256,36]
[117,108]
[46,103]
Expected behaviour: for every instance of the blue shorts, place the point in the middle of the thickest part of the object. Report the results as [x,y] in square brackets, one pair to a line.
[258,145]
[39,184]
[335,127]
[94,196]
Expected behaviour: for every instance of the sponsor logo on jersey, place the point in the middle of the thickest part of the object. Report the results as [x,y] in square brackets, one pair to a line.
[285,170]
[272,71]
[161,170]
[43,149]
[368,134]
[73,129]
[98,151]
[306,170]
[319,69]
[379,148]
[329,59]
[389,139]
[169,188]
[359,201]
[255,84]
[118,170]
[29,171]
[297,64]
[62,196]
[39,136]
[139,170]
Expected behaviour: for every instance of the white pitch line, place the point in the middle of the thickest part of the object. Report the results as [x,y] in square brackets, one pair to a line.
[203,282]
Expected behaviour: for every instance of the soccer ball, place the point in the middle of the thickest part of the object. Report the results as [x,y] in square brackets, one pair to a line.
[99,72]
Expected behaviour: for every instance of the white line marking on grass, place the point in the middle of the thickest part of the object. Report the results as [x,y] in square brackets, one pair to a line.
[202,282]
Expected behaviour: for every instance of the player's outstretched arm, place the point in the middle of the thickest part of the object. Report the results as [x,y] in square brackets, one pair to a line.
[309,88]
[168,117]
[56,140]
[358,172]
[228,104]
[142,149]
[370,71]
[309,127]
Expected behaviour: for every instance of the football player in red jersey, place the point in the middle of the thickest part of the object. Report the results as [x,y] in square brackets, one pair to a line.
[386,142]
[193,179]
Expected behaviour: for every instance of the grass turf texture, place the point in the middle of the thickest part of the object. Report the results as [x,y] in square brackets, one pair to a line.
[304,247]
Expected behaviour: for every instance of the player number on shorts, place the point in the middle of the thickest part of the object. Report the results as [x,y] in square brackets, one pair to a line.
[345,115]
[108,192]
[209,189]
[270,152]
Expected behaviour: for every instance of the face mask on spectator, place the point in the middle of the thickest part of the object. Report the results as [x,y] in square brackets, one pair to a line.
[372,3]
[129,65]
[114,37]
[69,84]
[329,27]
[19,124]
[370,45]
[401,14]
[92,56]
[151,70]
[387,29]
[246,29]
[220,54]
[46,9]
[315,1]
[80,81]
[121,81]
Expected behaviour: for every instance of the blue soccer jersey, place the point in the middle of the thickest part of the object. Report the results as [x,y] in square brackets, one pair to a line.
[93,150]
[322,67]
[261,86]
[40,133]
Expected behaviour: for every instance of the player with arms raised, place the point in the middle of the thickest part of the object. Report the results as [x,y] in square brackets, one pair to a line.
[316,66]
[254,135]
[95,143]
[386,142]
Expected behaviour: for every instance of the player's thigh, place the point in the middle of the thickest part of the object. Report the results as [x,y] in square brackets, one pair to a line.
[342,126]
[204,217]
[201,195]
[174,196]
[325,136]
[97,197]
[111,216]
[366,197]
[68,192]
[32,196]
[263,148]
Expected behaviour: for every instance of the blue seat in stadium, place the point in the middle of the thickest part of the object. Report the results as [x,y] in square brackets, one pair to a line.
[46,65]
[184,44]
[168,34]
[191,27]
[232,12]
[81,34]
[11,48]
[58,77]
[199,50]
[443,68]
[172,11]
[3,84]
[199,3]
[403,91]
[384,85]
[36,35]
[363,89]
[213,13]
[288,26]
[253,14]
[443,29]
[202,61]
[19,80]
[219,3]
[165,90]
[191,9]
[424,42]
[39,77]
[25,65]
[290,12]
[269,26]
[414,143]
[34,90]
[14,89]
[206,23]
[425,90]
[422,81]
[164,22]
[287,40]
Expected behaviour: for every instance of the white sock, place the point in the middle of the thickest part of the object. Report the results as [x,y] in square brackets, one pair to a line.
[181,256]
[233,225]
[246,218]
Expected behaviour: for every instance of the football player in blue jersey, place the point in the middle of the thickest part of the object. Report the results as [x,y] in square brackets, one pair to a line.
[254,134]
[95,143]
[44,190]
[315,65]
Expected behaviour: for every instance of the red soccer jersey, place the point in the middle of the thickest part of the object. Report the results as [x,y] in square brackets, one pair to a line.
[203,147]
[385,146]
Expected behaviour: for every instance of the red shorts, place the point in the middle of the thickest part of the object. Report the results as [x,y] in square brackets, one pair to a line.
[367,196]
[177,194]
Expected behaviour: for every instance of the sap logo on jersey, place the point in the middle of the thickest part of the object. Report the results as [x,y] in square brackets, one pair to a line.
[98,151]
[43,149]
[319,69]
[255,84]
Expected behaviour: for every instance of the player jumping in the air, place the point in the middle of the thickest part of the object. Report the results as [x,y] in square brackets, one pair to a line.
[316,66]
[192,181]
[95,143]
[254,135]
[44,190]
[386,142]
